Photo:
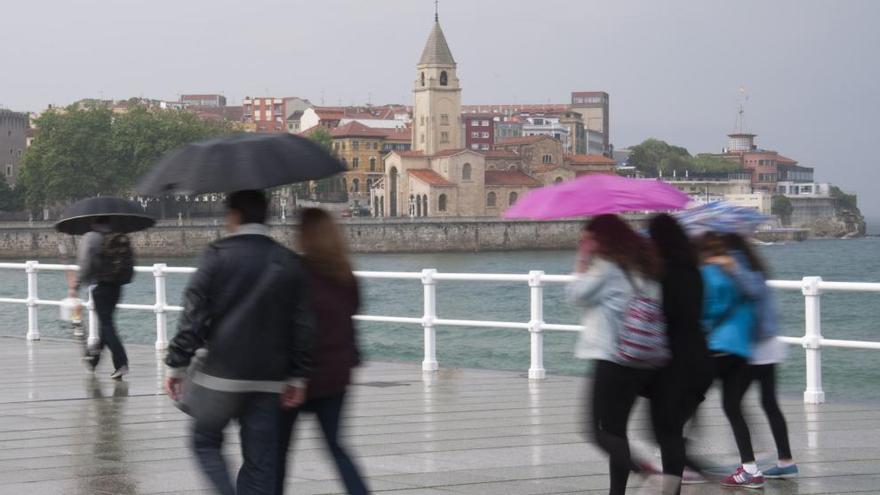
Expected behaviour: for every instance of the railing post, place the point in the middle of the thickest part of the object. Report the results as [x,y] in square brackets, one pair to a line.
[32,269]
[430,291]
[813,340]
[536,324]
[161,301]
[94,335]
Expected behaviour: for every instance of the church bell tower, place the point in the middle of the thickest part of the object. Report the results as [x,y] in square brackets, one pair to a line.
[437,95]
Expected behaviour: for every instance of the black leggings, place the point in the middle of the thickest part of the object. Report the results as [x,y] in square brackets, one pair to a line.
[735,377]
[106,296]
[765,375]
[615,389]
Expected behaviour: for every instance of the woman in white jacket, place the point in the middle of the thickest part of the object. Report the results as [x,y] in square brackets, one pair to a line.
[614,264]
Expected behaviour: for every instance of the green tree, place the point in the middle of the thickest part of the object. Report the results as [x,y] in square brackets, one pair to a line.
[332,188]
[782,208]
[654,156]
[87,150]
[10,199]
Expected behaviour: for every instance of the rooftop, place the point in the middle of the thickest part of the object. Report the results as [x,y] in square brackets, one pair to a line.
[429,177]
[510,178]
[516,141]
[589,160]
[458,431]
[356,129]
[436,51]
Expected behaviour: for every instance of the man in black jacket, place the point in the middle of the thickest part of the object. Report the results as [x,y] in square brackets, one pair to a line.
[247,310]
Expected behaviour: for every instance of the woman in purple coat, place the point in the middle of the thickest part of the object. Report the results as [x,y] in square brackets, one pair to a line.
[335,299]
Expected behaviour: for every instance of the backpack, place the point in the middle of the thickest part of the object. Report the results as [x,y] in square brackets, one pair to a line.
[643,341]
[116,260]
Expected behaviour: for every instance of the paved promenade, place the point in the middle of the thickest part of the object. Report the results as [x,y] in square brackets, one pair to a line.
[65,431]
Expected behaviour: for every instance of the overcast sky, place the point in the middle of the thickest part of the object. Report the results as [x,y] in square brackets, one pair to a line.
[672,68]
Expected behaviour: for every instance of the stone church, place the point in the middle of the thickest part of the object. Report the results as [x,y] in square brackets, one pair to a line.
[441,178]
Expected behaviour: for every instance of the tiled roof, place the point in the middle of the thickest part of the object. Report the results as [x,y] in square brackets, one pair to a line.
[404,135]
[500,154]
[436,50]
[356,129]
[589,160]
[429,177]
[510,178]
[581,173]
[785,159]
[521,140]
[409,154]
[515,108]
[450,152]
[543,168]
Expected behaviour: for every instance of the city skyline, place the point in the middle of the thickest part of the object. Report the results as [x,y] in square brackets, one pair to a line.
[672,71]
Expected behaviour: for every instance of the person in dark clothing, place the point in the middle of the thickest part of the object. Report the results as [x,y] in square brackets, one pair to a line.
[248,313]
[335,299]
[678,389]
[96,272]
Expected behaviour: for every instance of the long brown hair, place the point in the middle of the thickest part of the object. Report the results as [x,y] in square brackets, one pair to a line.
[737,242]
[618,242]
[712,244]
[323,246]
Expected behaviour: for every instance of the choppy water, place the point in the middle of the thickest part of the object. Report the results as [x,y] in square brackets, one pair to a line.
[849,374]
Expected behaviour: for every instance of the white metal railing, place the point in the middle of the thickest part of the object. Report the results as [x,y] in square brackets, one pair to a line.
[811,287]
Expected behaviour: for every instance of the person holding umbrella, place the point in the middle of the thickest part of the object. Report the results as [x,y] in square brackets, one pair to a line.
[106,263]
[247,315]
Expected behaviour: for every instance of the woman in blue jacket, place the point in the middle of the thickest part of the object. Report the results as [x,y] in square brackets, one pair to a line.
[729,320]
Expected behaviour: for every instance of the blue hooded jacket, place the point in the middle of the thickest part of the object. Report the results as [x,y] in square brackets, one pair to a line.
[728,316]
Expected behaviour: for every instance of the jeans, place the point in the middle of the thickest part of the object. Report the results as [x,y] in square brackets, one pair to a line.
[258,415]
[106,296]
[765,375]
[329,412]
[734,374]
[615,389]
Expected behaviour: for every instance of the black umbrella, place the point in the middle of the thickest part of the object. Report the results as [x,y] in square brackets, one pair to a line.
[247,161]
[125,216]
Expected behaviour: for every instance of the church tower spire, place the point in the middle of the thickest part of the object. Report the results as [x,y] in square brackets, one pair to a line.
[437,95]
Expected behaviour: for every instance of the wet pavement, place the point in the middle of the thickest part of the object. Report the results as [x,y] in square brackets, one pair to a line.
[66,431]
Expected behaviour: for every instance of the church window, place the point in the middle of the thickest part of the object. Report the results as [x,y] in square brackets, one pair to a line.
[444,79]
[512,199]
[466,171]
[444,119]
[547,159]
[441,203]
[558,180]
[355,162]
[423,79]
[491,200]
[444,137]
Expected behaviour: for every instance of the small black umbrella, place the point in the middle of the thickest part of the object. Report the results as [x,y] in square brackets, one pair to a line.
[125,216]
[247,161]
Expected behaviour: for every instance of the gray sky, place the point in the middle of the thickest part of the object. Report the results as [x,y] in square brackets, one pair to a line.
[672,68]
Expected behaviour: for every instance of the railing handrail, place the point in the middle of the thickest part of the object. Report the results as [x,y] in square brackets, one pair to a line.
[811,287]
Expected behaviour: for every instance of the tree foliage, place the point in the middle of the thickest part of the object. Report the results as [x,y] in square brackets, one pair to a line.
[654,156]
[91,151]
[10,199]
[782,208]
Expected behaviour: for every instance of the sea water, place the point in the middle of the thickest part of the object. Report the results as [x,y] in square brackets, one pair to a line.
[849,374]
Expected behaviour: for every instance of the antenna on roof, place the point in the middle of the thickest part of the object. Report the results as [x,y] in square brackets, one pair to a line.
[741,114]
[436,10]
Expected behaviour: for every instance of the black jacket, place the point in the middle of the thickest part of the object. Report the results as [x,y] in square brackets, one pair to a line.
[248,305]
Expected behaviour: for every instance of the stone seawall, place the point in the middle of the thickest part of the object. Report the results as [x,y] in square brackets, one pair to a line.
[364,236]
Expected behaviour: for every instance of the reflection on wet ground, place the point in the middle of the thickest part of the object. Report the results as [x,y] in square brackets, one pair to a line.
[65,431]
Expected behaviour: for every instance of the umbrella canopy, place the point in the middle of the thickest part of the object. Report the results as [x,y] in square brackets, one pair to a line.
[247,161]
[596,195]
[125,216]
[721,217]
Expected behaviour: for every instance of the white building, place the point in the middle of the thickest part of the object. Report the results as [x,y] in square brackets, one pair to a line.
[800,189]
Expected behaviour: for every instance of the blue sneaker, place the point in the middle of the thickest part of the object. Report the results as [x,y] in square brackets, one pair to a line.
[777,472]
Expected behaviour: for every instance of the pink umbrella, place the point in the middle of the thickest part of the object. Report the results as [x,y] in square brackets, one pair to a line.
[597,194]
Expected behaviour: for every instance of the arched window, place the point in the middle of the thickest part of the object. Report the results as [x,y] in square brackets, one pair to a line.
[423,79]
[444,79]
[558,180]
[512,198]
[412,205]
[491,200]
[511,168]
[424,205]
[369,184]
[418,206]
[441,203]
[356,185]
[466,171]
[355,162]
[372,164]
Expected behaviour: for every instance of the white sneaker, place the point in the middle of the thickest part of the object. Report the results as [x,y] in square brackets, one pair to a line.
[118,374]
